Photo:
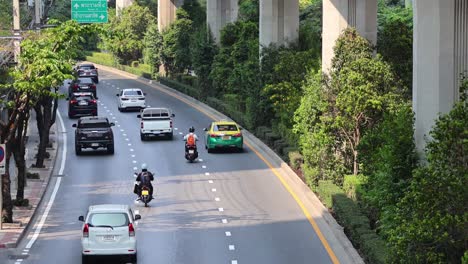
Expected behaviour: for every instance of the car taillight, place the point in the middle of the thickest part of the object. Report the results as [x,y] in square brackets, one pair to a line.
[124,99]
[93,86]
[170,124]
[237,135]
[131,230]
[213,135]
[86,230]
[141,98]
[75,87]
[141,125]
[93,101]
[73,101]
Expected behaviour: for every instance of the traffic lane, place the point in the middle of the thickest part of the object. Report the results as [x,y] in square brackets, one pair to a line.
[254,188]
[182,200]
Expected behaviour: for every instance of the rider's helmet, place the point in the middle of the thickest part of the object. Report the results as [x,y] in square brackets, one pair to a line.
[191,129]
[144,167]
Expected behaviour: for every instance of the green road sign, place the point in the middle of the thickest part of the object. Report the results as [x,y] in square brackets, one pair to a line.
[89,11]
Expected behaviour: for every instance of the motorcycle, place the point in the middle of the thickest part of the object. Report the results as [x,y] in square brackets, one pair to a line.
[191,153]
[144,196]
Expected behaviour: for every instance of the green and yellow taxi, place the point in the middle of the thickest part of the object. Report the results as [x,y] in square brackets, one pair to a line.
[223,134]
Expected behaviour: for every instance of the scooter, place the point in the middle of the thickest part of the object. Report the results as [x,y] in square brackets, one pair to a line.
[191,153]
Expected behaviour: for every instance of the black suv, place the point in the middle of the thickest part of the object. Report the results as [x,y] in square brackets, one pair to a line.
[82,85]
[94,132]
[88,70]
[80,104]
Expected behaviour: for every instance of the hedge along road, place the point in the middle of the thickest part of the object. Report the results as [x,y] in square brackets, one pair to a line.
[226,208]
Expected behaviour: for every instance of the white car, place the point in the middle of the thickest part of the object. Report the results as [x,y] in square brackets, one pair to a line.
[131,98]
[109,230]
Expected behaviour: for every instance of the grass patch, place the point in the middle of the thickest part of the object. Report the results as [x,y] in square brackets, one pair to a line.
[106,59]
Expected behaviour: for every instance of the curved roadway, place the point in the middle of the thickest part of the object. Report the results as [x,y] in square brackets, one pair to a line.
[226,208]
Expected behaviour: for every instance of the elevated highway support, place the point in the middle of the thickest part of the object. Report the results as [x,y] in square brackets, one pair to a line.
[219,13]
[279,22]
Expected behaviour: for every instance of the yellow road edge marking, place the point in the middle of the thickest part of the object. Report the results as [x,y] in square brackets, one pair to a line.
[311,220]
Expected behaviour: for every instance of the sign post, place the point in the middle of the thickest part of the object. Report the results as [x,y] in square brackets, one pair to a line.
[2,171]
[89,11]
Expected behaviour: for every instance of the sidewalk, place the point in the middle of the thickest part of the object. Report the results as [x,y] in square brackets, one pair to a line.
[12,233]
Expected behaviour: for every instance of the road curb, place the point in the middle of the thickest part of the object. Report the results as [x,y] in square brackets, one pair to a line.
[43,190]
[328,226]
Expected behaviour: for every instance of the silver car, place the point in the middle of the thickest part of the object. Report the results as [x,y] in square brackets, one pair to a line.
[109,230]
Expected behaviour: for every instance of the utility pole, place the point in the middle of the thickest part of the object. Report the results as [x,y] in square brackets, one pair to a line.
[16,29]
[37,12]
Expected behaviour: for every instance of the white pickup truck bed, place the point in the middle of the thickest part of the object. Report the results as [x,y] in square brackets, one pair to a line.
[156,122]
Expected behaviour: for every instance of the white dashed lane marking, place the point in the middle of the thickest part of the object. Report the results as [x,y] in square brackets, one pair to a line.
[129,144]
[200,160]
[217,199]
[234,262]
[204,167]
[228,234]
[135,168]
[224,221]
[231,247]
[121,130]
[207,173]
[221,209]
[213,190]
[133,156]
[132,150]
[210,181]
[134,161]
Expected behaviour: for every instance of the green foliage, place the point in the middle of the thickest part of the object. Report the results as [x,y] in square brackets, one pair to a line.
[249,10]
[175,52]
[6,18]
[295,159]
[186,89]
[107,59]
[152,6]
[60,10]
[353,186]
[204,49]
[196,13]
[395,43]
[388,155]
[152,51]
[431,217]
[310,27]
[124,35]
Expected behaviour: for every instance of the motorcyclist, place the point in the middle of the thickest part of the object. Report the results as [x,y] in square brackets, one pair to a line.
[190,139]
[145,178]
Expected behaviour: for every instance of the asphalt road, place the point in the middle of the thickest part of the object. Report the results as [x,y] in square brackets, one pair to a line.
[226,208]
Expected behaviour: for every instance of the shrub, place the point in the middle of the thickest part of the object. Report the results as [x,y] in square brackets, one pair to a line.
[353,185]
[326,189]
[259,132]
[135,64]
[295,159]
[180,87]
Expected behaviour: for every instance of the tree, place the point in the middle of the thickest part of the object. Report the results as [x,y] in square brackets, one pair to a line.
[430,220]
[395,43]
[126,33]
[153,45]
[204,50]
[175,53]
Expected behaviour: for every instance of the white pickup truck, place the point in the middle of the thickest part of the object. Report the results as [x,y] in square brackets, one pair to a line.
[156,122]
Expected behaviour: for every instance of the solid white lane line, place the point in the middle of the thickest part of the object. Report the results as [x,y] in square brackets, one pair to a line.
[224,221]
[221,209]
[217,199]
[54,192]
[207,173]
[232,247]
[213,190]
[210,181]
[228,234]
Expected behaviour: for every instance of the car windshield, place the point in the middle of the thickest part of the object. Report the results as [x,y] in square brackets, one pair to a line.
[132,93]
[108,219]
[225,127]
[87,67]
[86,98]
[93,124]
[84,80]
[156,113]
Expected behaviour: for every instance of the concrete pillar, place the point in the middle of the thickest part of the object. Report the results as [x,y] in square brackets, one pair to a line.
[340,14]
[167,12]
[219,13]
[440,54]
[121,4]
[279,22]
[16,30]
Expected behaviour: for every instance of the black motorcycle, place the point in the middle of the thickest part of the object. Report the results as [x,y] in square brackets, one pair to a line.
[144,192]
[191,153]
